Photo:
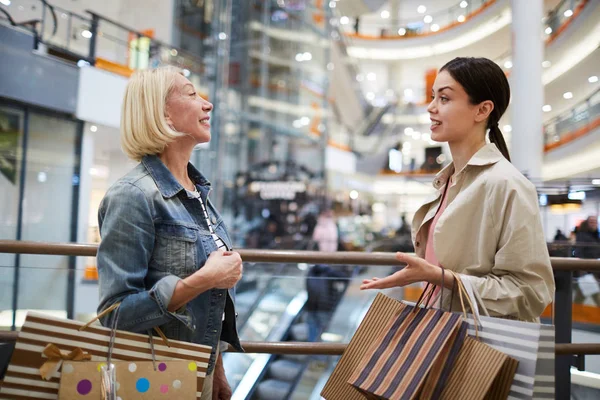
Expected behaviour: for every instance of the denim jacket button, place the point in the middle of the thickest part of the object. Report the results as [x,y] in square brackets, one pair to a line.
[213,220]
[215,331]
[236,315]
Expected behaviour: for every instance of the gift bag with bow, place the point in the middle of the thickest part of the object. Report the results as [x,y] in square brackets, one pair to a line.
[72,343]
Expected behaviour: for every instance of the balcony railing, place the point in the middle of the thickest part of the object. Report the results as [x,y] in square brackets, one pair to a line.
[574,123]
[562,311]
[97,40]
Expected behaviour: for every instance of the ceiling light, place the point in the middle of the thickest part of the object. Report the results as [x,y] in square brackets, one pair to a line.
[463,4]
[371,76]
[86,34]
[421,9]
[186,72]
[385,14]
[401,31]
[596,182]
[360,77]
[307,56]
[222,35]
[332,4]
[370,96]
[508,64]
[547,108]
[548,30]
[461,18]
[408,131]
[93,128]
[299,57]
[428,19]
[568,95]
[507,128]
[5,2]
[568,13]
[354,195]
[344,20]
[435,27]
[546,64]
[593,79]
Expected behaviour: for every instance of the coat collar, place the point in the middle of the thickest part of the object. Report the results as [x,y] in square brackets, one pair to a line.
[164,179]
[487,155]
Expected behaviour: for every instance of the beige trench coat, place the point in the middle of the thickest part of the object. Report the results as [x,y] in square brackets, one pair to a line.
[491,233]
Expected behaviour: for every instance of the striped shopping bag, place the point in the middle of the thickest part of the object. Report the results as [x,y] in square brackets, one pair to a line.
[397,364]
[23,379]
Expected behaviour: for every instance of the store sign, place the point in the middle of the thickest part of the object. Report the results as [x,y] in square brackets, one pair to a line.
[277,190]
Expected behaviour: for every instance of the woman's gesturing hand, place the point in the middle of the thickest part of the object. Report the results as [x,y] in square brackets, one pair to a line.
[416,270]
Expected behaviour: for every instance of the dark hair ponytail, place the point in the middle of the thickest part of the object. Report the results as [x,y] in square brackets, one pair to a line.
[482,80]
[497,138]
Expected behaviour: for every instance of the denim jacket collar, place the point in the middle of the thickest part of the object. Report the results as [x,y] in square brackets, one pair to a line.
[166,182]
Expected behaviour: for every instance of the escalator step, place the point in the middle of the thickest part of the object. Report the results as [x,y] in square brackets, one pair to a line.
[272,389]
[299,332]
[285,370]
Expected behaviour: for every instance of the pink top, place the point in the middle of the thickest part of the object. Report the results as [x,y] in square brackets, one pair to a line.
[429,252]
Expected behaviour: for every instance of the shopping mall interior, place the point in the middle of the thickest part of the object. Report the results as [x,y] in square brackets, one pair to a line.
[320,118]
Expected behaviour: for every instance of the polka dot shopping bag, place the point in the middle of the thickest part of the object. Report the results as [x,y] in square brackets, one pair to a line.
[73,358]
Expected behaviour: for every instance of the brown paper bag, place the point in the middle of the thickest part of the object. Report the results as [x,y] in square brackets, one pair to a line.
[171,380]
[480,372]
[23,380]
[399,361]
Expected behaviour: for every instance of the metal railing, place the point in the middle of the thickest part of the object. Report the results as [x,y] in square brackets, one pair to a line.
[574,123]
[563,269]
[430,22]
[93,37]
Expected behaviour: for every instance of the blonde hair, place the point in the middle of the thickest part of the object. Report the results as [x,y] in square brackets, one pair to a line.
[144,127]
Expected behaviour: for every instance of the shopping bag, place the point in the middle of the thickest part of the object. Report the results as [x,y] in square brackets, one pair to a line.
[23,379]
[399,360]
[588,284]
[174,379]
[115,380]
[531,344]
[337,387]
[480,372]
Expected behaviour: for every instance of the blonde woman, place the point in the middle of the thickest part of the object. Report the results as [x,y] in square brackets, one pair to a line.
[165,252]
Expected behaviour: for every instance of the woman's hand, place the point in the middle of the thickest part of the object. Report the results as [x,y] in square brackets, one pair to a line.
[416,270]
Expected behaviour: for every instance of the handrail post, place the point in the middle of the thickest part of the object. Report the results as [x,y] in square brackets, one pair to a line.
[563,322]
[94,30]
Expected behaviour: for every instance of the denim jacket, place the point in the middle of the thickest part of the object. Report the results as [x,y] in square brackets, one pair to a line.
[153,235]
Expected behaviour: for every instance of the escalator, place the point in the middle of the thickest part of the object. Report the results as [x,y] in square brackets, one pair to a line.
[278,316]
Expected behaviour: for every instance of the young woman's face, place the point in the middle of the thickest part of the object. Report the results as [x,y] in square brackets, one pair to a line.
[187,112]
[452,115]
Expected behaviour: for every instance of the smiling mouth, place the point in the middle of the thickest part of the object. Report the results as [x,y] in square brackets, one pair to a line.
[205,121]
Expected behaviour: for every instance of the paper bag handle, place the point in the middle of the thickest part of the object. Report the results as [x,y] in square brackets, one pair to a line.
[112,308]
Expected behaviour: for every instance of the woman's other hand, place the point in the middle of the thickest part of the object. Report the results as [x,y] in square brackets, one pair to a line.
[416,270]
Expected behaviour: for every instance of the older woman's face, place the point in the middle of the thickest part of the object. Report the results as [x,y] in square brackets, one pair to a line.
[187,112]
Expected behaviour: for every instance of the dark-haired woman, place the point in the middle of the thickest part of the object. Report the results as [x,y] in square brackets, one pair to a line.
[483,222]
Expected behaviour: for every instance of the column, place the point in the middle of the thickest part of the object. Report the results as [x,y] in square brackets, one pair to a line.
[526,86]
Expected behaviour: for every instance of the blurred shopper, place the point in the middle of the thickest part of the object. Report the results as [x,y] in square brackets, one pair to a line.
[165,252]
[587,243]
[326,232]
[587,239]
[559,236]
[492,234]
[323,297]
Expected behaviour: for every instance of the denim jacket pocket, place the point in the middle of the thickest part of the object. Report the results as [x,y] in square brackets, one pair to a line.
[175,249]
